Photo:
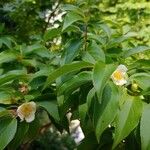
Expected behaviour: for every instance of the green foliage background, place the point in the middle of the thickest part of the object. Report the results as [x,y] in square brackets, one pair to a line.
[65,63]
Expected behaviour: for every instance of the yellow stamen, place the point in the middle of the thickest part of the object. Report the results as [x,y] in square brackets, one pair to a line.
[26,110]
[118,75]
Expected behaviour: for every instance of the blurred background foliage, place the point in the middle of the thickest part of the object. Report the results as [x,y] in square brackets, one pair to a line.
[25,19]
[130,15]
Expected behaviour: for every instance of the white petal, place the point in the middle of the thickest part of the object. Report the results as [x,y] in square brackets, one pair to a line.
[19,109]
[123,68]
[20,115]
[33,104]
[30,118]
[78,135]
[69,116]
[74,124]
[120,82]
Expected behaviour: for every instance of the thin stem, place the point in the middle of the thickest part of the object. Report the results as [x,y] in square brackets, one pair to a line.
[50,16]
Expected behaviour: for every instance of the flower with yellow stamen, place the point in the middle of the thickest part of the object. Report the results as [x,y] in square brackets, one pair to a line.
[26,111]
[119,76]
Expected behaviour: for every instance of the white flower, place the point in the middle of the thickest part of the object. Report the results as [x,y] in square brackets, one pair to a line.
[76,131]
[26,111]
[119,76]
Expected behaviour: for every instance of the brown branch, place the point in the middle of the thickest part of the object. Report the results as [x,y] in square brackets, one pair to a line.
[45,127]
[51,15]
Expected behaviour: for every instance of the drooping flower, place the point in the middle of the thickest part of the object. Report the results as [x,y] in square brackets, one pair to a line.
[23,88]
[75,129]
[26,111]
[119,76]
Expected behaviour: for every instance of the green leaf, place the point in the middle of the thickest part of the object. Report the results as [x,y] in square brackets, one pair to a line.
[101,74]
[7,41]
[88,58]
[106,29]
[8,127]
[68,7]
[1,109]
[70,18]
[1,27]
[29,62]
[98,38]
[82,112]
[128,118]
[7,57]
[115,41]
[12,75]
[142,79]
[27,50]
[33,130]
[90,96]
[107,110]
[89,143]
[135,50]
[5,97]
[37,49]
[19,136]
[66,69]
[94,53]
[5,113]
[51,107]
[142,64]
[44,71]
[75,82]
[144,128]
[71,50]
[51,33]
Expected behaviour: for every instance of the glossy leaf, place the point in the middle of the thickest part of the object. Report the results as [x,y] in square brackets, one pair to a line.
[71,50]
[66,69]
[97,38]
[115,41]
[94,53]
[12,75]
[33,130]
[128,118]
[37,49]
[69,7]
[90,95]
[29,62]
[51,33]
[106,111]
[82,113]
[51,107]
[106,29]
[142,79]
[75,82]
[5,97]
[135,50]
[8,127]
[70,18]
[7,41]
[19,136]
[7,57]
[101,74]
